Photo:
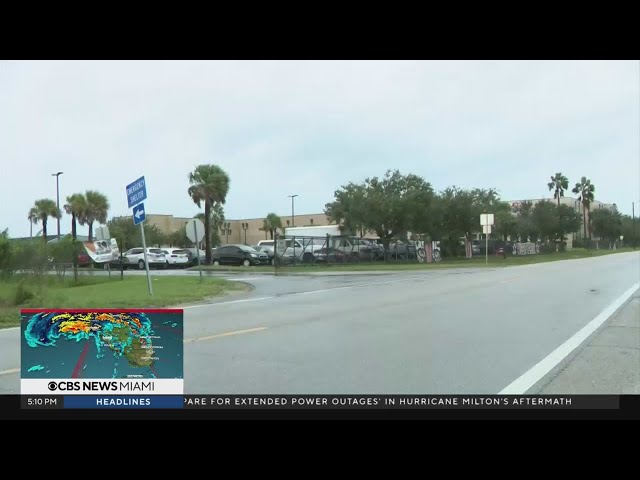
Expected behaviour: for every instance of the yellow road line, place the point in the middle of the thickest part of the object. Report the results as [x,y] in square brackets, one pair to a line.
[225,334]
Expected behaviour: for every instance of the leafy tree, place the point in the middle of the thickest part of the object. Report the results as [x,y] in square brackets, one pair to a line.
[631,235]
[349,208]
[585,191]
[76,206]
[506,224]
[607,224]
[128,235]
[271,223]
[545,218]
[96,209]
[209,185]
[568,221]
[527,227]
[43,209]
[178,238]
[5,253]
[388,206]
[559,183]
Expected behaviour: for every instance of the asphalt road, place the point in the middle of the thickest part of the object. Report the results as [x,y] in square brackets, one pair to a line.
[445,331]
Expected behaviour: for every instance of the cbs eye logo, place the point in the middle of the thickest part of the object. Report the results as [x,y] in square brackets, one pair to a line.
[52,386]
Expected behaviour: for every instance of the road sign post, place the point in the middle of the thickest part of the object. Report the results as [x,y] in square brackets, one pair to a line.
[146,263]
[195,232]
[486,220]
[136,194]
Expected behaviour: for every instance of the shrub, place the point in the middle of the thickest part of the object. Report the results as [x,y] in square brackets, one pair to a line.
[22,294]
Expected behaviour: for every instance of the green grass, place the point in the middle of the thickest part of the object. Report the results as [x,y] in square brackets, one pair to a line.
[104,292]
[447,263]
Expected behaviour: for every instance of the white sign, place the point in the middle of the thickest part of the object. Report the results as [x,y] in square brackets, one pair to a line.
[102,233]
[195,230]
[486,219]
[486,229]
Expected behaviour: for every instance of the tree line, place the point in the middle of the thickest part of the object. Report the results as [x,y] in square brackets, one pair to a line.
[397,204]
[390,207]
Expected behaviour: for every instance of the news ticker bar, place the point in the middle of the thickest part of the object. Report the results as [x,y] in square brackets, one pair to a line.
[293,402]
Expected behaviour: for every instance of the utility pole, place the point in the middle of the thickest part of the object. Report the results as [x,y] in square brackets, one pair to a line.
[633,223]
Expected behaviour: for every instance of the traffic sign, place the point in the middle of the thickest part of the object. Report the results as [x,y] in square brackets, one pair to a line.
[137,192]
[486,219]
[486,229]
[195,230]
[138,214]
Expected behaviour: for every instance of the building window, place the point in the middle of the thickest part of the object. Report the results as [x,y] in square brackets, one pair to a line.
[311,221]
[228,232]
[287,223]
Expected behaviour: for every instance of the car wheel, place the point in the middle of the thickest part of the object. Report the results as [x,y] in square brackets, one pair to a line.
[246,263]
[216,263]
[307,257]
[141,265]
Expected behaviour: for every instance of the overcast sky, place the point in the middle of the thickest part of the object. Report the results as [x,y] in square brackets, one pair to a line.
[308,127]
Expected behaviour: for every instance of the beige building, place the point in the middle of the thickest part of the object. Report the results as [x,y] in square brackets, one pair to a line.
[247,230]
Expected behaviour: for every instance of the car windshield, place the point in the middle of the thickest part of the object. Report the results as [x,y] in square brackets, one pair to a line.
[246,248]
[156,250]
[179,252]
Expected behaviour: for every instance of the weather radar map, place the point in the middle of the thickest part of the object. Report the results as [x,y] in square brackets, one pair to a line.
[102,344]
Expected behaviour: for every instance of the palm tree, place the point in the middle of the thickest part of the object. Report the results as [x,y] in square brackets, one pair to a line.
[76,206]
[33,218]
[559,183]
[209,184]
[96,209]
[585,190]
[271,223]
[43,209]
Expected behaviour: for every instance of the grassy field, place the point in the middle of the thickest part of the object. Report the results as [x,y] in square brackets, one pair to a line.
[448,263]
[102,292]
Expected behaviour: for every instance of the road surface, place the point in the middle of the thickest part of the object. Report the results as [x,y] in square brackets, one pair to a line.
[443,331]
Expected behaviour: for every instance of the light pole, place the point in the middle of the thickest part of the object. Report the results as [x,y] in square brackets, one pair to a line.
[57,175]
[292,211]
[245,226]
[633,223]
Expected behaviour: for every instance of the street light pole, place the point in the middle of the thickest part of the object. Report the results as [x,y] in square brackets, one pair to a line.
[57,175]
[633,223]
[292,211]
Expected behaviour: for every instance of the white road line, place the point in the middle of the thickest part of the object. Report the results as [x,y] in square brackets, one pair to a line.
[523,383]
[9,372]
[228,303]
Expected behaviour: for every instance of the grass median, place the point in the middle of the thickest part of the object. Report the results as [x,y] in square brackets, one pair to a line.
[477,261]
[49,291]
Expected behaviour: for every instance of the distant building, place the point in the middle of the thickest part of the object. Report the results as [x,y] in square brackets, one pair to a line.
[233,230]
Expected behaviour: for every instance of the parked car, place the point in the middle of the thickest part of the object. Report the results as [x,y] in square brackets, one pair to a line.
[134,257]
[268,251]
[333,255]
[176,257]
[191,254]
[239,255]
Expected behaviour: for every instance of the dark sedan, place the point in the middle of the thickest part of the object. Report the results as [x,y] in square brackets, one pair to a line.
[239,255]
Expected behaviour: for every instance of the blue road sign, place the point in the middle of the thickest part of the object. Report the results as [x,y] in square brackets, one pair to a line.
[138,214]
[137,192]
